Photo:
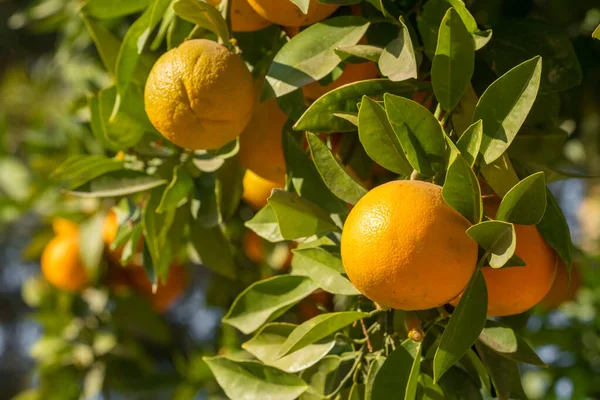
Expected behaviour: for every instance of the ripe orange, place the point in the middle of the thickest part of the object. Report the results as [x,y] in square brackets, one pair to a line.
[257,252]
[352,73]
[62,266]
[562,290]
[257,190]
[254,247]
[404,247]
[243,16]
[199,95]
[167,293]
[64,227]
[309,307]
[513,290]
[110,227]
[288,14]
[260,143]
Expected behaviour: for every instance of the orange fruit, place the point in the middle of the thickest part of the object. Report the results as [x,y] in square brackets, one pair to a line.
[257,190]
[254,247]
[288,14]
[110,227]
[166,293]
[513,290]
[199,95]
[562,290]
[243,16]
[62,265]
[260,143]
[405,248]
[309,307]
[64,227]
[352,73]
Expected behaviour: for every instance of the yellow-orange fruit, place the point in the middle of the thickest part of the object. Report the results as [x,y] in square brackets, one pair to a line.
[199,95]
[405,248]
[64,227]
[110,227]
[243,16]
[514,290]
[166,293]
[288,14]
[352,73]
[257,190]
[254,247]
[309,307]
[260,143]
[562,290]
[62,265]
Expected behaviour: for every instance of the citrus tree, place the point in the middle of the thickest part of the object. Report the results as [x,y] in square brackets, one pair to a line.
[384,162]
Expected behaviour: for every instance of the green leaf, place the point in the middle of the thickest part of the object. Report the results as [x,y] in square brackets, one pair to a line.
[178,190]
[267,342]
[541,147]
[428,390]
[321,377]
[80,169]
[125,128]
[379,139]
[310,55]
[229,187]
[498,238]
[555,230]
[91,245]
[525,203]
[324,269]
[213,248]
[247,380]
[204,15]
[302,5]
[500,175]
[470,142]
[15,178]
[205,191]
[457,384]
[398,376]
[119,184]
[133,44]
[431,17]
[415,350]
[398,61]
[318,328]
[320,116]
[477,370]
[465,325]
[156,230]
[374,368]
[596,33]
[108,9]
[335,176]
[454,61]
[505,342]
[504,106]
[518,40]
[266,300]
[461,190]
[504,373]
[306,179]
[264,224]
[298,217]
[358,53]
[420,133]
[106,43]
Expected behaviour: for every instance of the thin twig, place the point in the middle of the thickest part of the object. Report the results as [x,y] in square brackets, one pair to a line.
[366,333]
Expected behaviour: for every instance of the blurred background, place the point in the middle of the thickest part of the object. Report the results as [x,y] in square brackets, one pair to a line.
[49,66]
